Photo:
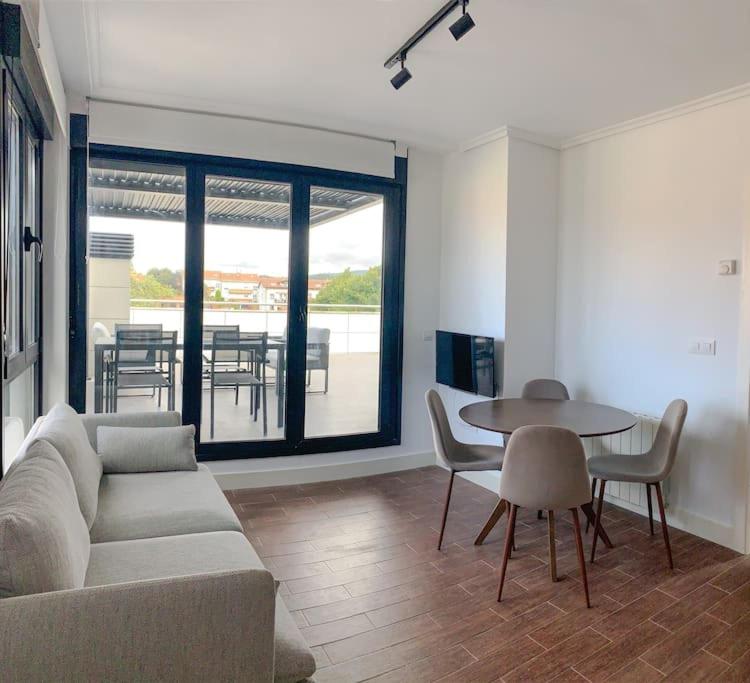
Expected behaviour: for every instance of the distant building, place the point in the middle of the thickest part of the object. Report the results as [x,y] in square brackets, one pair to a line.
[267,292]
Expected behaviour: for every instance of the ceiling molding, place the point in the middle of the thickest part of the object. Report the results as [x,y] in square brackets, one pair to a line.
[92,36]
[510,132]
[683,109]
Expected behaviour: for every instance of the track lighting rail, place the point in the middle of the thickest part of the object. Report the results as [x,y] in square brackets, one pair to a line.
[429,25]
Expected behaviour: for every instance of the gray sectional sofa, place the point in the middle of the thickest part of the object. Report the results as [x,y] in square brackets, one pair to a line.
[131,577]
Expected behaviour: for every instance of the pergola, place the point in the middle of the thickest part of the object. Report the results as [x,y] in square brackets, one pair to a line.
[122,190]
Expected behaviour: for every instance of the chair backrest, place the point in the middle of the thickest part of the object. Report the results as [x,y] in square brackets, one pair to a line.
[545,388]
[134,357]
[134,346]
[208,337]
[318,335]
[545,468]
[442,436]
[664,448]
[318,340]
[231,344]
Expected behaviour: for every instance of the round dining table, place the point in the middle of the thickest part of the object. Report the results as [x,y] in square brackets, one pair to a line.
[505,415]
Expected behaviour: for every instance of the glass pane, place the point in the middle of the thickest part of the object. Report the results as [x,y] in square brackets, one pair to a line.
[31,258]
[13,265]
[20,400]
[344,303]
[136,262]
[245,295]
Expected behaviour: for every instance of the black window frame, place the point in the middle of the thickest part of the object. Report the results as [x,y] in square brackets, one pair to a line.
[29,353]
[301,179]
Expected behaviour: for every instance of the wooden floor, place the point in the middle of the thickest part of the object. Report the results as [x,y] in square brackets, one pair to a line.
[376,601]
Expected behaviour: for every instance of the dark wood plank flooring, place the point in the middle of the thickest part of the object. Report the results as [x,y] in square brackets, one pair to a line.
[376,601]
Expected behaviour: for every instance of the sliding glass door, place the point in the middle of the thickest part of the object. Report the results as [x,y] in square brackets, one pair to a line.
[245,309]
[136,294]
[263,301]
[344,302]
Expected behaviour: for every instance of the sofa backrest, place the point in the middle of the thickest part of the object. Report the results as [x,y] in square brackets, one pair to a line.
[44,540]
[63,428]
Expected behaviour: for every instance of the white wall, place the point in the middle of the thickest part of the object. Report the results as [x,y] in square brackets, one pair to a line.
[533,181]
[422,282]
[645,216]
[472,260]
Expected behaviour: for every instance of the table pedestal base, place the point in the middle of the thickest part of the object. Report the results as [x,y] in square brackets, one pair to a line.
[499,510]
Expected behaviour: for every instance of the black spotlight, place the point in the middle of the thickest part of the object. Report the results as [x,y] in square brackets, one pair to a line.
[403,76]
[463,24]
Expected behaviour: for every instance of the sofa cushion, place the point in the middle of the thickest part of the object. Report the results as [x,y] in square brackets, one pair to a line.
[293,659]
[156,558]
[126,450]
[161,504]
[44,540]
[62,427]
[142,420]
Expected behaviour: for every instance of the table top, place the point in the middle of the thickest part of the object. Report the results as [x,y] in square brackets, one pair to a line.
[108,343]
[585,419]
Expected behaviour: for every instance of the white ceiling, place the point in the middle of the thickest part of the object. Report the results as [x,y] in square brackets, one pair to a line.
[555,67]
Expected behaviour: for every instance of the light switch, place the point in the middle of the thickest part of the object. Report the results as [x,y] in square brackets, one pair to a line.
[728,267]
[702,347]
[428,335]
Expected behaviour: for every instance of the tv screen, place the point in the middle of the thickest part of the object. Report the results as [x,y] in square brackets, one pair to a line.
[465,362]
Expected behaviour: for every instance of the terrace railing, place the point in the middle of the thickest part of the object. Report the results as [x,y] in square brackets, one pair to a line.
[355,328]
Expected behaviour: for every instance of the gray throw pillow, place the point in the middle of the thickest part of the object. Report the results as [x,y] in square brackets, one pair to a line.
[44,541]
[126,450]
[63,428]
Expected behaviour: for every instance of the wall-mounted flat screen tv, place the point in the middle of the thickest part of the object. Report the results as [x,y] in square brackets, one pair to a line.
[465,362]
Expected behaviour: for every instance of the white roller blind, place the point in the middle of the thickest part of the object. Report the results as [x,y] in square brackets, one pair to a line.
[180,131]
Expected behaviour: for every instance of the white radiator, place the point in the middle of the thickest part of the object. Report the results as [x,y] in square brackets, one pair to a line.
[636,440]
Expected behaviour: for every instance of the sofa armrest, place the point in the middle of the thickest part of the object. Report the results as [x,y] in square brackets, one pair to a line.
[167,418]
[206,627]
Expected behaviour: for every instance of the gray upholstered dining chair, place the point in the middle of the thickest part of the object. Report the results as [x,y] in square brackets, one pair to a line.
[457,456]
[545,388]
[650,468]
[545,468]
[549,389]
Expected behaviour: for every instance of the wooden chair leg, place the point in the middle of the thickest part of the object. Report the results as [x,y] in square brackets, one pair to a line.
[506,553]
[650,509]
[581,558]
[593,494]
[664,529]
[598,521]
[445,511]
[552,549]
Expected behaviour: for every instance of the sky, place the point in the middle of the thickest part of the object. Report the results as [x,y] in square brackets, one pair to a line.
[354,241]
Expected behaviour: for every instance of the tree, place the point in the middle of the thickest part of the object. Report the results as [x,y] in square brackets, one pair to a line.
[148,287]
[167,277]
[352,288]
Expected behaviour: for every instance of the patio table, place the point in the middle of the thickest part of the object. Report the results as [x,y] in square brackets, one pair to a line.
[104,344]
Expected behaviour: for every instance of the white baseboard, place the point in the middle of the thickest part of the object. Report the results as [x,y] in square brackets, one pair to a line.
[679,518]
[285,475]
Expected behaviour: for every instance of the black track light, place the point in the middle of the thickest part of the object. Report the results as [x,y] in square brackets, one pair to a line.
[463,24]
[403,76]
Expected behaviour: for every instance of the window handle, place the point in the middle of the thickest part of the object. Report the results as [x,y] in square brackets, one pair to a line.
[29,238]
